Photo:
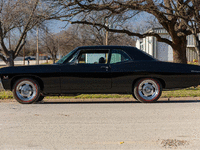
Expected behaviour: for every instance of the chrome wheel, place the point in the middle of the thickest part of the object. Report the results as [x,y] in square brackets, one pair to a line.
[26,90]
[148,89]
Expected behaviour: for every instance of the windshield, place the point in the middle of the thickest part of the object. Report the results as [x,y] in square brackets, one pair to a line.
[65,57]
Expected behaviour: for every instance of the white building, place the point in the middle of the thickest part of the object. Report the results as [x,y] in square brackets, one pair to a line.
[163,51]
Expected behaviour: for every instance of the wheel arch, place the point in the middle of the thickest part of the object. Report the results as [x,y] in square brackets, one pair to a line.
[40,82]
[159,79]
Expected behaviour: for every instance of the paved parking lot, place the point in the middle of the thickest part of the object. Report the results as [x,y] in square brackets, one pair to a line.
[100,125]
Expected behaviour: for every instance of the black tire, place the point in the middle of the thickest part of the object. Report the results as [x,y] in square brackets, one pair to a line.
[40,98]
[147,90]
[26,91]
[134,96]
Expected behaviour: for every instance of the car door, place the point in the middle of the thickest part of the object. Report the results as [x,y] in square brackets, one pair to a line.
[121,71]
[87,71]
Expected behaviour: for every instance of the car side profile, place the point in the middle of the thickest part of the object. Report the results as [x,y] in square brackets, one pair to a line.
[99,70]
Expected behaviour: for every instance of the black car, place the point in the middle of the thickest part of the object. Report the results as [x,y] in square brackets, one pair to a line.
[99,69]
[29,58]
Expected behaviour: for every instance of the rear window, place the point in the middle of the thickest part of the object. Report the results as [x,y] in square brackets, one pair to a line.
[118,56]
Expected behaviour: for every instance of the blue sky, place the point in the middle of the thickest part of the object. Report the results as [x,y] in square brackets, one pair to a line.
[137,22]
[57,26]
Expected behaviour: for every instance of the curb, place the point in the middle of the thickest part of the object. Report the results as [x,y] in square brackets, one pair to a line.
[109,100]
[180,98]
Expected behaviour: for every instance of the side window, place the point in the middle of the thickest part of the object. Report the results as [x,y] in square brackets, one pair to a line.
[93,57]
[119,56]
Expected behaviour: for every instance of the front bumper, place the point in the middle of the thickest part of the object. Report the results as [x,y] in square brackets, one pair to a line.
[1,85]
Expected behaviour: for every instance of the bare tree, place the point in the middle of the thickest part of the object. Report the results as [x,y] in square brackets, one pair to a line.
[81,35]
[189,12]
[97,36]
[69,39]
[17,16]
[82,12]
[50,44]
[30,47]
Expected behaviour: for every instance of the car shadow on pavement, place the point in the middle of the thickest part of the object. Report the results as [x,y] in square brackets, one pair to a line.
[116,102]
[180,101]
[87,102]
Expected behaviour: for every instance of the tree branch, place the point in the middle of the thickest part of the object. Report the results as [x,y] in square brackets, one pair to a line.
[5,50]
[19,49]
[26,27]
[3,58]
[159,38]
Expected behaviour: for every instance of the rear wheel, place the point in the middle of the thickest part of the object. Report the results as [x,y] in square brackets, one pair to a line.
[147,90]
[26,91]
[134,96]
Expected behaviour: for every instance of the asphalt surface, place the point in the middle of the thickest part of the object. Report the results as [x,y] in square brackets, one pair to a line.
[104,124]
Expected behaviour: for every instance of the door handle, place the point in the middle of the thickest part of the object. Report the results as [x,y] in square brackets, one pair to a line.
[106,67]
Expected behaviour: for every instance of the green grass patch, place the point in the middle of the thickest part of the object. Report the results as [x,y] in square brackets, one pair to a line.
[6,95]
[90,96]
[188,92]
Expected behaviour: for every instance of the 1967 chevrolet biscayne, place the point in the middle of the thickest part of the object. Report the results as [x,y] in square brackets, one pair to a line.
[99,69]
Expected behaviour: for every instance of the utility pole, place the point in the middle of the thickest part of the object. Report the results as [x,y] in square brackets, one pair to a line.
[46,44]
[37,53]
[106,37]
[107,32]
[24,55]
[59,56]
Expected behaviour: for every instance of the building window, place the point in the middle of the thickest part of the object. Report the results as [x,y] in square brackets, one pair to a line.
[141,46]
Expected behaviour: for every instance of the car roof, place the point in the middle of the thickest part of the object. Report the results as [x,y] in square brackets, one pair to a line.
[133,52]
[104,47]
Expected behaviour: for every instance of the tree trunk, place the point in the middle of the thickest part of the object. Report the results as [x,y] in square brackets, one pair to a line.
[54,59]
[198,52]
[179,51]
[197,46]
[198,55]
[10,59]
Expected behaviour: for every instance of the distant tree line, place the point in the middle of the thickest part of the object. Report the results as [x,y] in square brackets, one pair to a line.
[77,35]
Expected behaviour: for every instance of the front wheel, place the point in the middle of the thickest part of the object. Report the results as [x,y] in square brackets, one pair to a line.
[147,90]
[26,91]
